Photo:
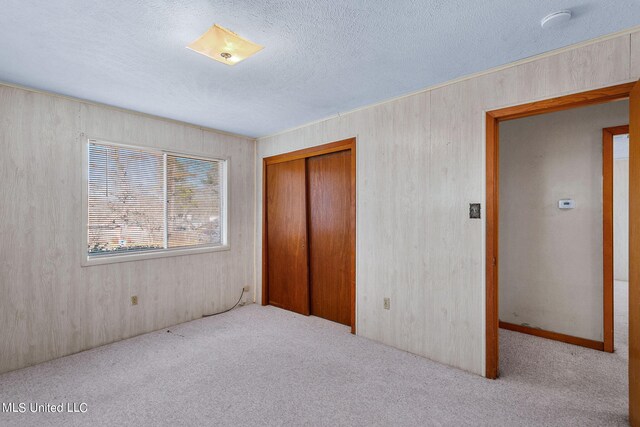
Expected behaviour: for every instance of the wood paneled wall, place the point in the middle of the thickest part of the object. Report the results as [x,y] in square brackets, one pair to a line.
[420,162]
[50,306]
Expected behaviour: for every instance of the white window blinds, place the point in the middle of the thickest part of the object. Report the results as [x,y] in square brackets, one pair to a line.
[143,200]
[193,202]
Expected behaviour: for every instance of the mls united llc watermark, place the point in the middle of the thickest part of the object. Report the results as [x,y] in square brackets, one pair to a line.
[34,407]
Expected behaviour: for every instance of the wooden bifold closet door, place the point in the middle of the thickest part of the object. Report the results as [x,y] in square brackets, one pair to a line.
[309,245]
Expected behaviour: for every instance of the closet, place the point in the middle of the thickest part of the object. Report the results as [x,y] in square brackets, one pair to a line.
[309,232]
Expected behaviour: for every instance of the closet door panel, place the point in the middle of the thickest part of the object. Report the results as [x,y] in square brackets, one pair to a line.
[287,236]
[329,204]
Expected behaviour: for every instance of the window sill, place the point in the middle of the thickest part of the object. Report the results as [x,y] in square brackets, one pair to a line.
[88,261]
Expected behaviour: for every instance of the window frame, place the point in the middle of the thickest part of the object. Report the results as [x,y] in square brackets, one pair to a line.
[89,260]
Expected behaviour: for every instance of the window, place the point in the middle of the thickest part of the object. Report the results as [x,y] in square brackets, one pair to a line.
[143,201]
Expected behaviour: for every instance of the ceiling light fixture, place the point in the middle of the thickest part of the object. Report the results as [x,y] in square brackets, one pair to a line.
[224,46]
[556,19]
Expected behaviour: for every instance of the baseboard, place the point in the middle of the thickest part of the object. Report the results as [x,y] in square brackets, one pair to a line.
[569,339]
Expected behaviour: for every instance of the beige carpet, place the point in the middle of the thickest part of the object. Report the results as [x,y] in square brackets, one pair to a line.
[264,366]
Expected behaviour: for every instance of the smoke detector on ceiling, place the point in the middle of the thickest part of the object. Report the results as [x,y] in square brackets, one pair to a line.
[556,19]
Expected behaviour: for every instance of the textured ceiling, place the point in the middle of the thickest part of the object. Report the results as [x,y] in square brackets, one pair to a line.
[320,57]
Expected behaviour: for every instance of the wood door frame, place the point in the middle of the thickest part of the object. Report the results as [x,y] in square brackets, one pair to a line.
[332,147]
[556,336]
[607,230]
[493,119]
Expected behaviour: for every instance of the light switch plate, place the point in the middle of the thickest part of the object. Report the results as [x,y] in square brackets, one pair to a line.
[474,210]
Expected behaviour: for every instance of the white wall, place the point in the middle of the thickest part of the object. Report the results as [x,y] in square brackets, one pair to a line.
[548,256]
[621,219]
[420,162]
[50,306]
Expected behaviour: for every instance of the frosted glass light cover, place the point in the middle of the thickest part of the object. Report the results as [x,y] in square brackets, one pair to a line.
[224,46]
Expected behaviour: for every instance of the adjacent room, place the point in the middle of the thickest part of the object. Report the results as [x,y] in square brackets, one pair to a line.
[320,213]
[563,227]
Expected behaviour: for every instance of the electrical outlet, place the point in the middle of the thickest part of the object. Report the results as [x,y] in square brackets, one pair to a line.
[246,288]
[134,300]
[387,303]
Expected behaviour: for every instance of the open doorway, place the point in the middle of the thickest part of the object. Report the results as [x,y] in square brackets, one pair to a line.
[555,220]
[616,155]
[495,118]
